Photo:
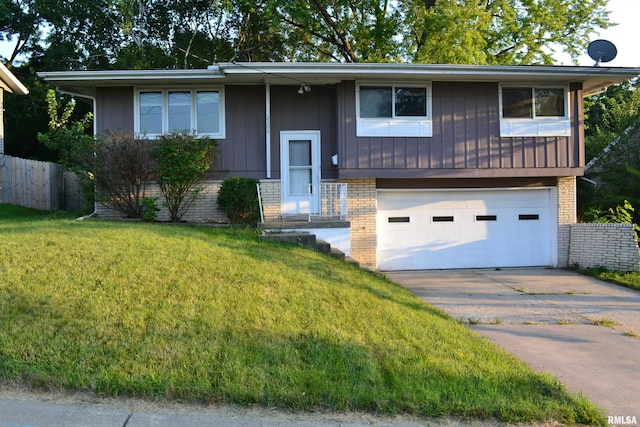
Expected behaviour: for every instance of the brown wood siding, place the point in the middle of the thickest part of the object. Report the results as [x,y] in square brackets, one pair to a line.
[114,109]
[242,152]
[466,140]
[315,110]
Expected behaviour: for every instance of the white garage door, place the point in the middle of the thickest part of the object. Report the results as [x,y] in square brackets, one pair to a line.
[433,229]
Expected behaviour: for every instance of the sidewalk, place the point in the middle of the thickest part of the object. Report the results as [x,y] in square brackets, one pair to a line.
[23,409]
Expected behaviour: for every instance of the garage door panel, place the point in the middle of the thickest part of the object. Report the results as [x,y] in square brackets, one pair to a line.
[464,229]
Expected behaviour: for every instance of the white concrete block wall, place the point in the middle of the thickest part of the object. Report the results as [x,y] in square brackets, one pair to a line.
[612,246]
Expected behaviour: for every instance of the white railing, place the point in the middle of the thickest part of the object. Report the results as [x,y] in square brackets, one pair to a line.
[332,202]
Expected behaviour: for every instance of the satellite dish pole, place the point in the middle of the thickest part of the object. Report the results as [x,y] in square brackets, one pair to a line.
[602,51]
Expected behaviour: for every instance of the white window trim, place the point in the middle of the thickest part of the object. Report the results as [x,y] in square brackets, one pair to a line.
[394,126]
[165,108]
[536,126]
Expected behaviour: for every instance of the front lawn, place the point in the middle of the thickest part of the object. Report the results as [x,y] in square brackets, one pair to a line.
[212,315]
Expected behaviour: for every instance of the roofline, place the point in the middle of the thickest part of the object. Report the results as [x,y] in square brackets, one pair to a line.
[595,78]
[12,81]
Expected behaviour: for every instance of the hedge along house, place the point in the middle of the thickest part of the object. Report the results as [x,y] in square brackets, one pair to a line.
[436,166]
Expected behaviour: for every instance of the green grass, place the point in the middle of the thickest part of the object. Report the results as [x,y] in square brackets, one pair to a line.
[211,315]
[605,321]
[630,280]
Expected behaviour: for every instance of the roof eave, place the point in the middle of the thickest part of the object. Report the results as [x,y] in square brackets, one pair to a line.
[11,81]
[594,79]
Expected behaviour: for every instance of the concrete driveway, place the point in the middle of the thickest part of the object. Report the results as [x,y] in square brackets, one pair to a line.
[583,331]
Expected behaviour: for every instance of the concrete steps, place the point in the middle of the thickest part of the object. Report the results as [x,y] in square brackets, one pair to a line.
[309,241]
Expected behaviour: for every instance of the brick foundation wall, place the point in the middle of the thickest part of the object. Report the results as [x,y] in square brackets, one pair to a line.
[270,190]
[362,216]
[566,216]
[613,246]
[204,209]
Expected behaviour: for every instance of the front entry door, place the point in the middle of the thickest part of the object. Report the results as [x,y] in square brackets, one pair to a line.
[300,170]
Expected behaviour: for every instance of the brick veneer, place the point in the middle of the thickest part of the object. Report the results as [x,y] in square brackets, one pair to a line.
[362,216]
[205,209]
[270,191]
[566,216]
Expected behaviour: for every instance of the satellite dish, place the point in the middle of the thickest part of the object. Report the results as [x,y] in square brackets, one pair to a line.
[602,51]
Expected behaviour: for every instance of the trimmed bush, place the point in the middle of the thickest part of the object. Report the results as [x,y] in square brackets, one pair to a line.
[181,162]
[238,198]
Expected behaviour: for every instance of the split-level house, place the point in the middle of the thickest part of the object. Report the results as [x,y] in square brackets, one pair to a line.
[419,166]
[8,83]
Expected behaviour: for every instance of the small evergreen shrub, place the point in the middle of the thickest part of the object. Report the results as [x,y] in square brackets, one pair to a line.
[238,198]
[149,208]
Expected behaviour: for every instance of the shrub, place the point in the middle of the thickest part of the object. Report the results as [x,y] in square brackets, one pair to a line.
[149,208]
[182,159]
[619,215]
[238,198]
[120,168]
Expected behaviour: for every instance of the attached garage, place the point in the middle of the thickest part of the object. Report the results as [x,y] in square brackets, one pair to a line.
[466,228]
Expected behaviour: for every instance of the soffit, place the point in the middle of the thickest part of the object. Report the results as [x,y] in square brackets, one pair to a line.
[594,79]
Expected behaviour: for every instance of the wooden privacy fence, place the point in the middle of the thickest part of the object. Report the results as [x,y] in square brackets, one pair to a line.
[38,185]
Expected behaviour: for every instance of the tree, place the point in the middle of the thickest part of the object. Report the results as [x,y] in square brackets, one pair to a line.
[20,23]
[612,134]
[181,161]
[66,136]
[28,117]
[618,174]
[442,31]
[609,114]
[89,34]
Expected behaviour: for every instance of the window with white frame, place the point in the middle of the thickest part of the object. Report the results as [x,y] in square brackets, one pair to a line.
[393,110]
[534,111]
[160,111]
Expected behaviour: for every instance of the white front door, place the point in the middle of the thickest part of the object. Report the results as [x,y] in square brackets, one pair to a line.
[300,170]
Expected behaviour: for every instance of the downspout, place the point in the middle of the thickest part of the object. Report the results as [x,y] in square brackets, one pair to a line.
[268,127]
[95,132]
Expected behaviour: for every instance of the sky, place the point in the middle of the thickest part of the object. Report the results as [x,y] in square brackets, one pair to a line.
[625,36]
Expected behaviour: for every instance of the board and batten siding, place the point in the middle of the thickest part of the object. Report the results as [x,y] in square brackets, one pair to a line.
[243,152]
[315,110]
[466,140]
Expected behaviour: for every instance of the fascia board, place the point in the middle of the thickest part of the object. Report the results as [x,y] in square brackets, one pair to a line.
[11,81]
[593,78]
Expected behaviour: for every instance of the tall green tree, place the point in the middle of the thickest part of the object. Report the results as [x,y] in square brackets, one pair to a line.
[442,31]
[612,134]
[20,26]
